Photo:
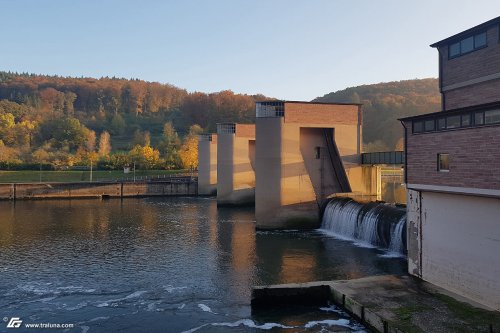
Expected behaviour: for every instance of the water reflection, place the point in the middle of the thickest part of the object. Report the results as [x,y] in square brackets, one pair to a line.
[157,259]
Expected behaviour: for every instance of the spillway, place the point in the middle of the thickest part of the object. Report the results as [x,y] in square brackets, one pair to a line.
[378,224]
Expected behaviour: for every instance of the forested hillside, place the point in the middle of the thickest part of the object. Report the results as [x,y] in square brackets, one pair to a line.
[112,122]
[384,103]
[64,121]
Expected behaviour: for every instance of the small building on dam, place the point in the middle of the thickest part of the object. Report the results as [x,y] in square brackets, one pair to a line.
[451,171]
[304,153]
[235,164]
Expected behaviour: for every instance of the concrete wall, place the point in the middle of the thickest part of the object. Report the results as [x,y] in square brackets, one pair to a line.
[291,182]
[235,174]
[454,242]
[268,169]
[94,190]
[207,166]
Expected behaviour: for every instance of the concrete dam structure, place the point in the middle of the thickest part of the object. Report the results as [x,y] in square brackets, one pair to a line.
[235,164]
[207,164]
[306,152]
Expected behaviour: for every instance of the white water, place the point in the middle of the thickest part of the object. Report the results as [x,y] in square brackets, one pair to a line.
[368,225]
[397,244]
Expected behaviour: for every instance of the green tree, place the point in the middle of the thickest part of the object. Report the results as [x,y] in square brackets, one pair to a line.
[169,146]
[117,125]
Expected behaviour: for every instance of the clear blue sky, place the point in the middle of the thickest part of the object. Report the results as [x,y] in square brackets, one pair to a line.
[288,49]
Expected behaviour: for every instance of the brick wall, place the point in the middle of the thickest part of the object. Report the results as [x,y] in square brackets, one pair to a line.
[474,65]
[310,113]
[245,130]
[474,157]
[480,93]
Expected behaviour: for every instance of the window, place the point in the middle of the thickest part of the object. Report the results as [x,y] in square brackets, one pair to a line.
[441,123]
[465,120]
[418,127]
[454,50]
[453,122]
[468,44]
[492,117]
[429,125]
[480,40]
[479,118]
[443,162]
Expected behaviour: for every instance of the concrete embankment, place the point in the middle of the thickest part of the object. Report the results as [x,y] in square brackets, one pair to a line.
[386,304]
[24,191]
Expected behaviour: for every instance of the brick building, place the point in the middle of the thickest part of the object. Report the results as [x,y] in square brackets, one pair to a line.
[452,171]
[469,66]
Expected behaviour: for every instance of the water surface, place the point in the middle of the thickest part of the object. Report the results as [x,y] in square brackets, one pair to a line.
[164,265]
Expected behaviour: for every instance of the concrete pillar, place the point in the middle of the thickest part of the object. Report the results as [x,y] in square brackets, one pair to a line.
[297,167]
[235,159]
[207,164]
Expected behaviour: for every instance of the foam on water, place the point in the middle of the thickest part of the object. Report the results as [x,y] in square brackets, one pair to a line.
[205,308]
[268,326]
[243,322]
[169,288]
[111,301]
[329,322]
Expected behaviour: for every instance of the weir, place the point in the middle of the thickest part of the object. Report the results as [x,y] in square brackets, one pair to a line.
[375,223]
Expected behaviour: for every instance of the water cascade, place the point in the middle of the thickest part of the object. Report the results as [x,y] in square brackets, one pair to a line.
[375,223]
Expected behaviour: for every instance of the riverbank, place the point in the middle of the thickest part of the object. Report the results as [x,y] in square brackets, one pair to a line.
[387,303]
[178,186]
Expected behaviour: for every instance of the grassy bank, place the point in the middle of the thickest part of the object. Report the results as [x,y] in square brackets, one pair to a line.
[31,176]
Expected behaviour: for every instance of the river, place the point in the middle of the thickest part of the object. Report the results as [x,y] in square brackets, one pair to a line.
[164,265]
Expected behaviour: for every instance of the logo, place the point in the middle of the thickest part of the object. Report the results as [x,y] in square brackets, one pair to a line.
[14,322]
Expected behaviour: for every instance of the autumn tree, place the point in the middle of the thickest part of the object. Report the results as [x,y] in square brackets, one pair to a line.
[189,149]
[90,140]
[104,144]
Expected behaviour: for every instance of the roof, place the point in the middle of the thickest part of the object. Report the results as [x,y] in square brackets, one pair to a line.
[486,106]
[467,32]
[305,102]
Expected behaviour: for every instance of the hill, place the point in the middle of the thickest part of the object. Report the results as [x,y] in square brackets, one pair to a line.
[64,118]
[384,103]
[65,121]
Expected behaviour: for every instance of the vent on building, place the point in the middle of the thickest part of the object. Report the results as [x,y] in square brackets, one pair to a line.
[226,128]
[269,109]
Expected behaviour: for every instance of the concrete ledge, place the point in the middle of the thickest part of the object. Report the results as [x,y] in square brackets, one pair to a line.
[290,294]
[102,190]
[387,304]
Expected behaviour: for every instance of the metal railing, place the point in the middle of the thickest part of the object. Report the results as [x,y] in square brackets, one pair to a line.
[269,109]
[226,128]
[205,137]
[384,157]
[151,178]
